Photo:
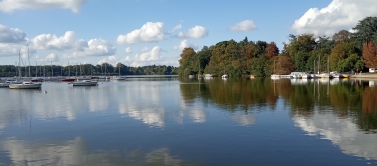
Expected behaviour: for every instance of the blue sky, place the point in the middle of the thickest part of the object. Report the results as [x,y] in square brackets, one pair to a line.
[147,32]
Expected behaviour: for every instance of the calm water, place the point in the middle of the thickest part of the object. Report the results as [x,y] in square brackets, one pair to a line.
[159,121]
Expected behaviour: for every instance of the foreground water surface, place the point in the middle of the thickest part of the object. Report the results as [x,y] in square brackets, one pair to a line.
[170,121]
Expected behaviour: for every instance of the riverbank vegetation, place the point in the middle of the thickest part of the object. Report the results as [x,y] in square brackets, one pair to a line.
[345,51]
[86,70]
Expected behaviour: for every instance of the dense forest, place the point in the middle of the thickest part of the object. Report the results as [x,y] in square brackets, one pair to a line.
[345,51]
[86,70]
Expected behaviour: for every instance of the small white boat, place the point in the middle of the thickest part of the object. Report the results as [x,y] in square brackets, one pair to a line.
[275,76]
[208,75]
[85,83]
[25,85]
[224,76]
[4,85]
[296,75]
[325,75]
[118,78]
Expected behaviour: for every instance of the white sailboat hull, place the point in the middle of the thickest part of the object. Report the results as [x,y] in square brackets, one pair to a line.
[85,83]
[25,85]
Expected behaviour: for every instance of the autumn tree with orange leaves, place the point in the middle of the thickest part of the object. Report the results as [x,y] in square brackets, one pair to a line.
[370,55]
[272,50]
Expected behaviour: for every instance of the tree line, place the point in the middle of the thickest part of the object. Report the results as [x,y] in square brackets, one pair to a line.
[345,51]
[85,70]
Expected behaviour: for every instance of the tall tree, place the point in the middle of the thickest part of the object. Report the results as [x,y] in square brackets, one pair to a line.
[186,62]
[370,55]
[272,50]
[365,31]
[343,36]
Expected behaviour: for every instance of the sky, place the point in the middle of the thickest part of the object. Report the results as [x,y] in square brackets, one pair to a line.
[154,32]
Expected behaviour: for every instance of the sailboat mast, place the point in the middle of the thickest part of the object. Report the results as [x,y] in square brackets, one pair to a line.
[328,63]
[52,70]
[36,69]
[19,63]
[69,70]
[80,70]
[28,59]
[319,64]
[76,69]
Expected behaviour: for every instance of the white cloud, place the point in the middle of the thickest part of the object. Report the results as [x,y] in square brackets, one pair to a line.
[128,50]
[9,49]
[247,25]
[110,60]
[11,35]
[186,44]
[52,42]
[194,32]
[11,5]
[153,55]
[178,27]
[96,47]
[338,15]
[146,57]
[49,58]
[149,32]
[52,58]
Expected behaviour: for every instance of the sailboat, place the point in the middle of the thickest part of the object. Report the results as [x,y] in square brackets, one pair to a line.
[25,84]
[118,77]
[327,74]
[68,79]
[225,76]
[275,76]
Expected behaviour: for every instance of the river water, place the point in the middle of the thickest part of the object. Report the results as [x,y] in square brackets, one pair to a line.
[171,121]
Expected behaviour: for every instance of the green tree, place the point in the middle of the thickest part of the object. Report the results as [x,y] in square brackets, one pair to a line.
[365,31]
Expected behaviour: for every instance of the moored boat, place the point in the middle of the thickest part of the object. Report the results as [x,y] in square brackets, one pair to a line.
[68,79]
[25,85]
[118,78]
[37,79]
[224,76]
[85,83]
[4,85]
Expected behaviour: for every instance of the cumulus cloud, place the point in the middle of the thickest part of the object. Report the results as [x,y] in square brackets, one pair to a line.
[69,42]
[338,15]
[9,49]
[247,25]
[52,58]
[110,60]
[194,32]
[186,44]
[149,32]
[152,55]
[146,57]
[96,47]
[11,35]
[128,50]
[11,5]
[52,42]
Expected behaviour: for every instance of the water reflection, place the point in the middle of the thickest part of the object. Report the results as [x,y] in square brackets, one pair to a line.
[76,152]
[343,111]
[342,132]
[243,118]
